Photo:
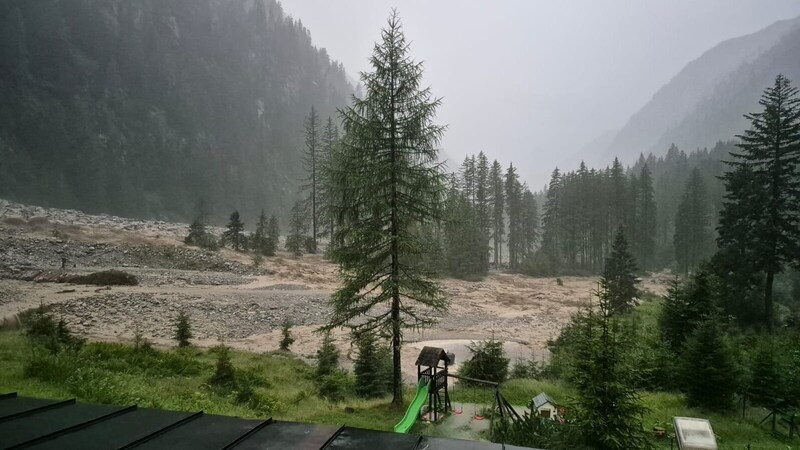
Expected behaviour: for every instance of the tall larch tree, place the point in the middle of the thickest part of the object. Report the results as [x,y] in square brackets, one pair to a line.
[498,211]
[312,162]
[770,149]
[386,182]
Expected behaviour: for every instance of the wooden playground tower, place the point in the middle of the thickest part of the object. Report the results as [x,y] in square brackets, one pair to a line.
[430,370]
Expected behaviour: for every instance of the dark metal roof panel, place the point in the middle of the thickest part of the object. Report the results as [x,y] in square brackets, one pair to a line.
[205,432]
[284,435]
[359,439]
[436,443]
[14,406]
[117,431]
[31,427]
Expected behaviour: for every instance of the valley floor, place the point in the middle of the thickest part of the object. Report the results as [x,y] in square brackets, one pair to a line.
[231,300]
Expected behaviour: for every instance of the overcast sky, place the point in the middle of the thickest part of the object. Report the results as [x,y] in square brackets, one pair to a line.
[534,81]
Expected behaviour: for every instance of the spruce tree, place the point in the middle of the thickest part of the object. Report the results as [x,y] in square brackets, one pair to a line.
[686,305]
[514,207]
[618,198]
[608,411]
[260,241]
[273,234]
[330,139]
[183,329]
[770,149]
[466,251]
[312,162]
[370,367]
[197,233]
[645,218]
[298,227]
[234,234]
[327,356]
[551,242]
[767,375]
[488,361]
[529,224]
[734,262]
[483,197]
[468,178]
[708,370]
[498,211]
[286,335]
[619,276]
[692,228]
[386,182]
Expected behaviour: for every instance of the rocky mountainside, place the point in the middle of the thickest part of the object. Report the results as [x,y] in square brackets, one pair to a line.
[704,102]
[143,108]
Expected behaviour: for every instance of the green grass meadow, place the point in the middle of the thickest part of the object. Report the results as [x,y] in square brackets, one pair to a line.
[283,388]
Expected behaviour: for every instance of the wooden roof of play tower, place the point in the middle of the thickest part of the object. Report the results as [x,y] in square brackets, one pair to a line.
[430,356]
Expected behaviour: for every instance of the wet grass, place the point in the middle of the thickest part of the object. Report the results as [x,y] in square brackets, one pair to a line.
[283,388]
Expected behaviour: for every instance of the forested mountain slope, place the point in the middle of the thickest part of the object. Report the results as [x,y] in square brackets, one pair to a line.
[720,115]
[704,102]
[143,108]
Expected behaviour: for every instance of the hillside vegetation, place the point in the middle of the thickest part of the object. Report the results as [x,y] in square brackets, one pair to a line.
[143,108]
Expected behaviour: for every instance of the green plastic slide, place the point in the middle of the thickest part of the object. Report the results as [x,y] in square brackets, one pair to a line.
[413,409]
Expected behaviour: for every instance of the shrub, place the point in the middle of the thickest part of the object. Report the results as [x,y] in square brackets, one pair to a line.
[527,368]
[43,330]
[559,282]
[532,431]
[335,385]
[295,245]
[224,372]
[183,329]
[488,362]
[767,379]
[310,245]
[106,278]
[286,335]
[258,260]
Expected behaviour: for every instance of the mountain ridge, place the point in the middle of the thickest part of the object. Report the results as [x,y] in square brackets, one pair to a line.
[647,129]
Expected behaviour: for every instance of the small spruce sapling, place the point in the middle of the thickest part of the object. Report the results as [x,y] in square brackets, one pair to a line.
[224,372]
[183,329]
[327,356]
[286,332]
